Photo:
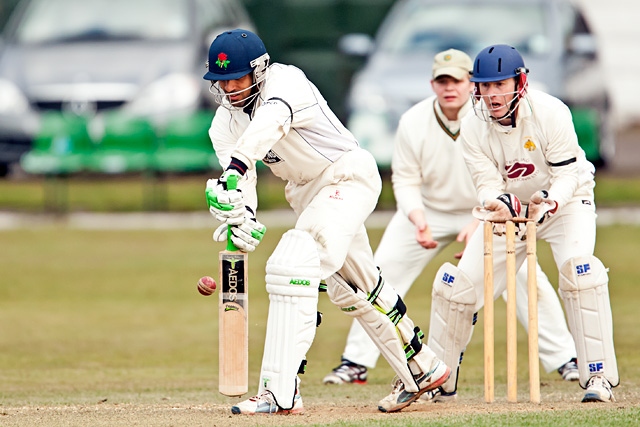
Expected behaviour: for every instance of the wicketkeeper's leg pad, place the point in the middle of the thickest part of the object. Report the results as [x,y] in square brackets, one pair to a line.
[583,286]
[293,278]
[382,316]
[453,316]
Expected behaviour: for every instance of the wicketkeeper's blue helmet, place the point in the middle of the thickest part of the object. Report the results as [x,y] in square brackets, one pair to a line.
[498,62]
[234,54]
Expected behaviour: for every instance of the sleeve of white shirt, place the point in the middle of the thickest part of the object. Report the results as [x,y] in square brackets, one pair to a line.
[563,147]
[271,122]
[486,177]
[224,143]
[222,138]
[406,170]
[287,94]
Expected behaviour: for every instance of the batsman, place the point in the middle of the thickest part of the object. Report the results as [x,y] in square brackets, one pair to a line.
[521,148]
[273,113]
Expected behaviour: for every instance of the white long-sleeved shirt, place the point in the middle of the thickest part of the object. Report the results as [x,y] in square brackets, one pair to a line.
[428,166]
[293,130]
[540,153]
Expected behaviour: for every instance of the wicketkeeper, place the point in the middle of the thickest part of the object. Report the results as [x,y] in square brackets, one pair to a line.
[521,146]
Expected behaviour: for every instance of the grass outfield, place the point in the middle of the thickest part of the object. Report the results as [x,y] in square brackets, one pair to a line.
[107,328]
[185,193]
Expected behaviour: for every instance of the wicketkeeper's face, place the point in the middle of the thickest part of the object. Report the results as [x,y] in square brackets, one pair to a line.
[498,96]
[238,90]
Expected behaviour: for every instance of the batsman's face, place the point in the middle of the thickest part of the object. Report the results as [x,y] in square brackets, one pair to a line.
[452,93]
[238,90]
[498,96]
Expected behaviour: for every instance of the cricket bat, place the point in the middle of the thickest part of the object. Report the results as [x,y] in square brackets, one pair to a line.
[233,324]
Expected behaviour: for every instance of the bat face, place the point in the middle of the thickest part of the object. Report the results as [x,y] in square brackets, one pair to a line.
[233,352]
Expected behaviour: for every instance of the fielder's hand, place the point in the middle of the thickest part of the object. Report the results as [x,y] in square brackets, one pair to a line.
[424,238]
[225,202]
[541,206]
[423,232]
[505,207]
[246,236]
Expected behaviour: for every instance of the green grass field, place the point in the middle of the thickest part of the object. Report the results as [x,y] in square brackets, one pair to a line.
[184,193]
[107,328]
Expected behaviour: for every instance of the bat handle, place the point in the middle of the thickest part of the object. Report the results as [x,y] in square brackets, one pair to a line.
[230,246]
[232,184]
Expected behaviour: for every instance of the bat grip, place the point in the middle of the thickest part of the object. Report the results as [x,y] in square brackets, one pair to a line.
[230,246]
[232,184]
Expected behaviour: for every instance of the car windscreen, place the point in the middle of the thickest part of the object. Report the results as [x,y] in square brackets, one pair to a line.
[470,27]
[51,21]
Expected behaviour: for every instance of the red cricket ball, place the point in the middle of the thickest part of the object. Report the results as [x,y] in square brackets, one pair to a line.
[206,286]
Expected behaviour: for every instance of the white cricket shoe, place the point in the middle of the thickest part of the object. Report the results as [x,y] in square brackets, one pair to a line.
[347,373]
[438,395]
[265,403]
[569,370]
[598,390]
[400,398]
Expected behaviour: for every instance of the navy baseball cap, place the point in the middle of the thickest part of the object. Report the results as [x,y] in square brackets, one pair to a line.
[231,53]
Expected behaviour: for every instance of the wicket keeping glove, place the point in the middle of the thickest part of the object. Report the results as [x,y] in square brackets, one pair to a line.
[225,202]
[505,207]
[246,236]
[541,206]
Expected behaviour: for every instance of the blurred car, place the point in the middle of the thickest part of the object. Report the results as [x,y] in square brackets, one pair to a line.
[552,35]
[87,57]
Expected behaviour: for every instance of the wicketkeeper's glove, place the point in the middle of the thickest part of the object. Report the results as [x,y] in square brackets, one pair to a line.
[541,206]
[503,208]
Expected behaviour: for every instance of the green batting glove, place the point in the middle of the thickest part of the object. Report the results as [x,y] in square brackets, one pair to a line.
[248,235]
[227,206]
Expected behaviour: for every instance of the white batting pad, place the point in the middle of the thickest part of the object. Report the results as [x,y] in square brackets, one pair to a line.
[293,278]
[388,337]
[583,286]
[453,301]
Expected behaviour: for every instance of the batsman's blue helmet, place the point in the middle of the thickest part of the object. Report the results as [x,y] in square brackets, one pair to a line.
[233,55]
[498,62]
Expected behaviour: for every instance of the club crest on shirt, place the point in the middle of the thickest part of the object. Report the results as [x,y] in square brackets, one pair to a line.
[520,170]
[271,158]
[529,145]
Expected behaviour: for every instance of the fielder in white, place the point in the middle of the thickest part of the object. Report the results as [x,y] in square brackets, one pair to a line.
[435,197]
[521,144]
[274,114]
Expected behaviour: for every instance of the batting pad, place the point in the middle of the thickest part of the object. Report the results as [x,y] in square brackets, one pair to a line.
[387,336]
[453,302]
[583,286]
[293,278]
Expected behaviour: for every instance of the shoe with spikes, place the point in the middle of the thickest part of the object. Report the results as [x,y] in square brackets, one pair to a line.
[598,390]
[438,395]
[401,398]
[265,404]
[569,370]
[347,373]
